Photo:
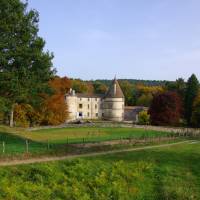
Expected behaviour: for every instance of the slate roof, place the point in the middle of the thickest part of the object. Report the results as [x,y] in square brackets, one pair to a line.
[115,90]
[83,95]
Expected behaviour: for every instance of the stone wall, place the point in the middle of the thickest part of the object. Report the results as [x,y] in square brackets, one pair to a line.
[113,109]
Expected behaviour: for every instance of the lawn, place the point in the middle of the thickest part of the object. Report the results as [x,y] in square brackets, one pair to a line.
[91,134]
[51,140]
[167,173]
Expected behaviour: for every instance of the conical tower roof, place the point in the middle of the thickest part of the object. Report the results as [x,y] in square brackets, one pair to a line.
[115,90]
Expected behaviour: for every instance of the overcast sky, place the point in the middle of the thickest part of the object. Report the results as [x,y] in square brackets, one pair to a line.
[140,39]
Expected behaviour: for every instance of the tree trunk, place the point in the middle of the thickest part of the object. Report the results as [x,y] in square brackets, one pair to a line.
[12,116]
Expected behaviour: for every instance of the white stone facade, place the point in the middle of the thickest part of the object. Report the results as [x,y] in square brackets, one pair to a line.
[109,106]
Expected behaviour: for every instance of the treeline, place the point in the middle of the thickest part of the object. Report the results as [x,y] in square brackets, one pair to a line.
[136,92]
[170,102]
[178,104]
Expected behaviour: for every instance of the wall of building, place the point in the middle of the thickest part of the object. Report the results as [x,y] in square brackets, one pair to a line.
[71,102]
[89,108]
[113,109]
[83,107]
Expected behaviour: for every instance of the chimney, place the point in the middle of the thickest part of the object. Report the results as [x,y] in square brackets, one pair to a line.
[70,91]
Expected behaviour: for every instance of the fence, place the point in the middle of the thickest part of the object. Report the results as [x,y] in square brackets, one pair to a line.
[21,146]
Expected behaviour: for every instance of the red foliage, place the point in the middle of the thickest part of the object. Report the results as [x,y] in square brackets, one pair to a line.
[165,109]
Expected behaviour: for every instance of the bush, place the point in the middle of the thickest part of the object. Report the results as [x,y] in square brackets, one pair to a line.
[143,118]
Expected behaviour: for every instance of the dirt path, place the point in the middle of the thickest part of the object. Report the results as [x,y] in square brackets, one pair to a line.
[48,159]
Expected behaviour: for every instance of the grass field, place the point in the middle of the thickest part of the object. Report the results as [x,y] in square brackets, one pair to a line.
[76,135]
[158,174]
[15,139]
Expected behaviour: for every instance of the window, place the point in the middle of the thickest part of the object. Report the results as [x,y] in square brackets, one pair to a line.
[88,114]
[102,114]
[96,114]
[88,99]
[80,99]
[95,106]
[80,114]
[88,106]
[95,99]
[80,105]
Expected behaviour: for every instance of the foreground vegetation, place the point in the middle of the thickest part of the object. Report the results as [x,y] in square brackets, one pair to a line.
[165,173]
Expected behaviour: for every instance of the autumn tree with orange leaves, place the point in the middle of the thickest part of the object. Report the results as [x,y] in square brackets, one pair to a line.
[54,108]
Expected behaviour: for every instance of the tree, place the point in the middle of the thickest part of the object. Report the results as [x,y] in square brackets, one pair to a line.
[195,120]
[143,118]
[192,88]
[25,115]
[99,87]
[165,109]
[178,86]
[3,109]
[79,86]
[129,92]
[144,100]
[25,68]
[54,109]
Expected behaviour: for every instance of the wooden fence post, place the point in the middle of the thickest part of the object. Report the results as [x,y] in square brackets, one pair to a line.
[26,146]
[3,144]
[48,145]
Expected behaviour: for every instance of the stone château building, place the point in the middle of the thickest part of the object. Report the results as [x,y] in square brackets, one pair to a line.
[109,106]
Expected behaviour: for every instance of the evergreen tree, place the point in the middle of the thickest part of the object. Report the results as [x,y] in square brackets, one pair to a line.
[195,120]
[25,68]
[192,88]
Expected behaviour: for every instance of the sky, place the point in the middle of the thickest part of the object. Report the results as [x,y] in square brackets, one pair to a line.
[139,39]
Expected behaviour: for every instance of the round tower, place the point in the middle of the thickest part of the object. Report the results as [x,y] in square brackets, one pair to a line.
[71,101]
[113,103]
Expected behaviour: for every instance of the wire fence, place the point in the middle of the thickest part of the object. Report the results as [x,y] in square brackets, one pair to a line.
[23,146]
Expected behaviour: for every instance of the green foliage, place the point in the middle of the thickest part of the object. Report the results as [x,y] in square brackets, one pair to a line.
[144,100]
[99,88]
[76,180]
[129,92]
[143,118]
[24,66]
[178,86]
[192,89]
[79,86]
[195,120]
[150,174]
[4,108]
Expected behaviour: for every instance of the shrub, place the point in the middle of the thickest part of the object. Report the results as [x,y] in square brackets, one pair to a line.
[143,118]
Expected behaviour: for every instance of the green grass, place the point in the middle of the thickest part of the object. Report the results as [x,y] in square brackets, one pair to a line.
[15,139]
[76,135]
[155,174]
